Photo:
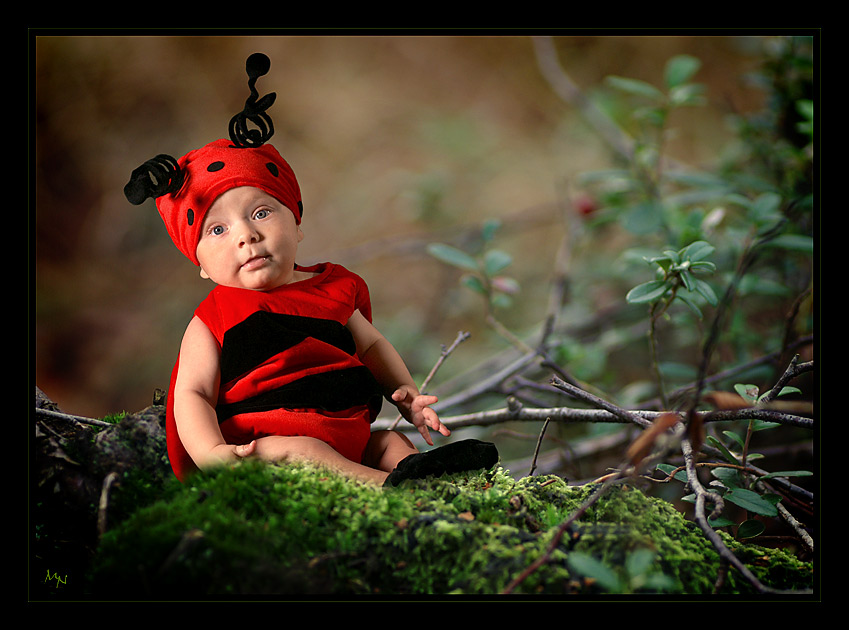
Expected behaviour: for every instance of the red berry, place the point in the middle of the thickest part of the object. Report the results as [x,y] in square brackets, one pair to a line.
[585,205]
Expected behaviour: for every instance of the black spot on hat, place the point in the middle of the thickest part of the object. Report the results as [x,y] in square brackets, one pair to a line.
[190,216]
[215,166]
[272,168]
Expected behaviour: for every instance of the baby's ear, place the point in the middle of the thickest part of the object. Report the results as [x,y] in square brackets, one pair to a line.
[203,274]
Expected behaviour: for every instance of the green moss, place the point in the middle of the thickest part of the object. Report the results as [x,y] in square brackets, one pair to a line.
[278,531]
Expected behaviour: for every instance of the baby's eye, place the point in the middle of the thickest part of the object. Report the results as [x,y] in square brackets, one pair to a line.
[217,230]
[261,213]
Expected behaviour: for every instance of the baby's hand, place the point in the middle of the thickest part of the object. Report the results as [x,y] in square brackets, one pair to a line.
[244,450]
[230,452]
[415,408]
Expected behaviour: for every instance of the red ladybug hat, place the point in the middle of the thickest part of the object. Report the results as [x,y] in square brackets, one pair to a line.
[184,189]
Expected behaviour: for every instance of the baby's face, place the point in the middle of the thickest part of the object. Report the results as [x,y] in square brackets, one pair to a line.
[248,240]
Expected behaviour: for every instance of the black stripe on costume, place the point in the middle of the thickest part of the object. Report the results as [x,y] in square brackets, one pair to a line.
[264,334]
[336,390]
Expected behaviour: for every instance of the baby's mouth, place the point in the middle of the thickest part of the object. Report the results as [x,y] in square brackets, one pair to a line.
[254,263]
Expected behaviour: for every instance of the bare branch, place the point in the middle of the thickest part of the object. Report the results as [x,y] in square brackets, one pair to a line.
[539,443]
[754,413]
[595,401]
[57,415]
[793,370]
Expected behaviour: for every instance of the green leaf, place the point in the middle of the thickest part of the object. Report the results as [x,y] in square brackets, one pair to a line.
[639,562]
[452,256]
[647,292]
[730,477]
[664,262]
[681,475]
[704,289]
[655,582]
[680,69]
[474,283]
[734,437]
[750,529]
[763,425]
[766,209]
[490,226]
[672,255]
[692,94]
[751,501]
[690,304]
[496,260]
[747,391]
[729,457]
[805,107]
[720,522]
[788,473]
[771,497]
[793,242]
[697,250]
[652,115]
[702,266]
[500,300]
[635,87]
[784,391]
[589,567]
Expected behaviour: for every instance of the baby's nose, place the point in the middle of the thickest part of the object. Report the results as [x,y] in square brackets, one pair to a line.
[248,235]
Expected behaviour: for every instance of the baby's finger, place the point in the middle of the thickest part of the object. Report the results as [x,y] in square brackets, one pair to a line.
[244,450]
[399,394]
[425,434]
[424,400]
[432,420]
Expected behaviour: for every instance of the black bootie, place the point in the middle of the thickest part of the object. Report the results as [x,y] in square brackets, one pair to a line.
[451,458]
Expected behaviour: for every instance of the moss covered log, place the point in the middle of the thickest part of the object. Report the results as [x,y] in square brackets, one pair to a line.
[280,531]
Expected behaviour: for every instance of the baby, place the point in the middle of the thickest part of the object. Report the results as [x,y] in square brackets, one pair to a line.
[280,362]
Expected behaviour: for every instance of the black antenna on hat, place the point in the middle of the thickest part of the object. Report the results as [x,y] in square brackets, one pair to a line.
[161,174]
[257,65]
[156,177]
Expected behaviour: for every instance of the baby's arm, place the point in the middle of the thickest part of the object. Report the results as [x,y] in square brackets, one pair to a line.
[195,395]
[391,372]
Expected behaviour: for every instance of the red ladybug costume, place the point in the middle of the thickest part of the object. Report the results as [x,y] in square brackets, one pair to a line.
[288,364]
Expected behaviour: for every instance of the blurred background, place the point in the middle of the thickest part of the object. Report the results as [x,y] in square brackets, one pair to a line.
[398,142]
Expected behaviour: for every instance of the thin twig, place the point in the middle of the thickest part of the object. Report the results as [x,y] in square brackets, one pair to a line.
[103,507]
[461,337]
[487,384]
[595,401]
[793,370]
[539,443]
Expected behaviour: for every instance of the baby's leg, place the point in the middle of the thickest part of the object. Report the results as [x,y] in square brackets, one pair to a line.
[301,448]
[385,449]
